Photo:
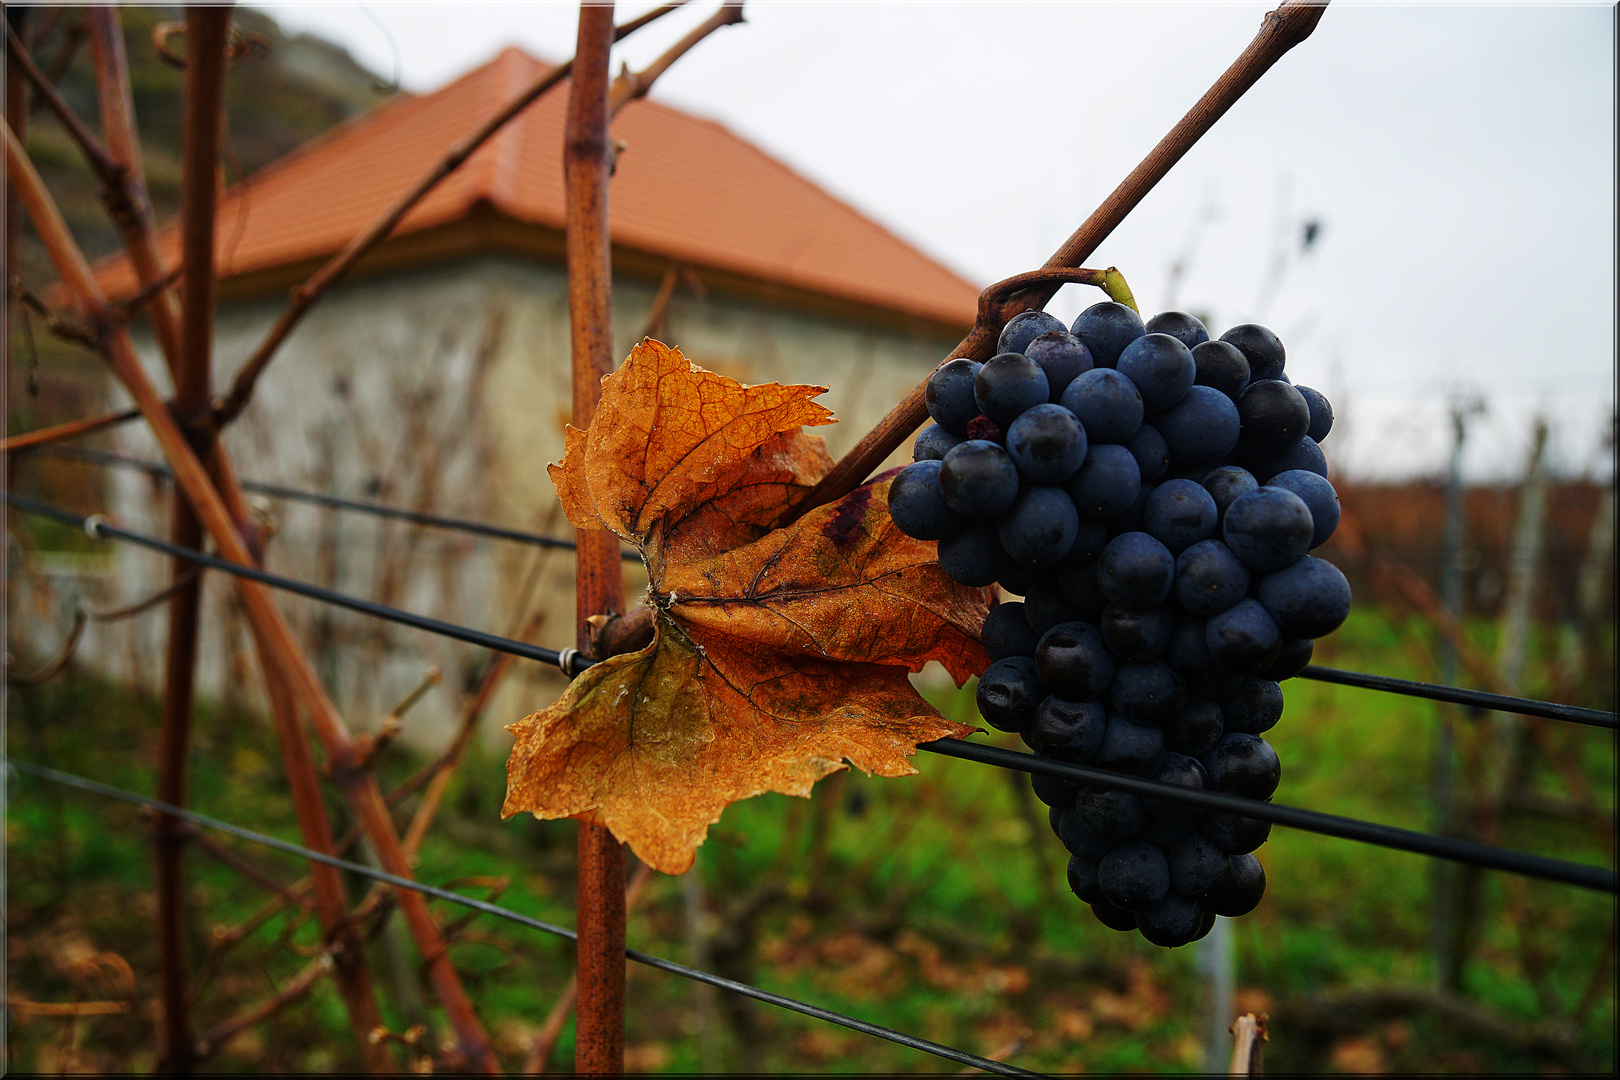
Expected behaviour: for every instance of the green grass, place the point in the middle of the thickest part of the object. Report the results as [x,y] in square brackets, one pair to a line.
[927,903]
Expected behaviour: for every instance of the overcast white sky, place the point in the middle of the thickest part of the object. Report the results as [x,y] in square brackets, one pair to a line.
[1460,158]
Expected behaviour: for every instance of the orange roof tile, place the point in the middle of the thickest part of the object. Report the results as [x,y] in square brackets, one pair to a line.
[685,189]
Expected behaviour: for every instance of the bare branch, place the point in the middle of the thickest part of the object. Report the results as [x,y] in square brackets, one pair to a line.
[1283,28]
[632,85]
[71,429]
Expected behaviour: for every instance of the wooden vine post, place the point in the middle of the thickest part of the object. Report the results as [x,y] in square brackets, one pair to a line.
[206,30]
[599,588]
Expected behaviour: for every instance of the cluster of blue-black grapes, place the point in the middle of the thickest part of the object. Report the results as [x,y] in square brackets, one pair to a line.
[1152,495]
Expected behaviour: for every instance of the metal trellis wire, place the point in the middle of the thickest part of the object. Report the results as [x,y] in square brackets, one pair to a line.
[337,502]
[949,1053]
[571,662]
[1478,699]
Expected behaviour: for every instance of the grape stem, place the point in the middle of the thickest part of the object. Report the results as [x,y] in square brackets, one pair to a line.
[1110,281]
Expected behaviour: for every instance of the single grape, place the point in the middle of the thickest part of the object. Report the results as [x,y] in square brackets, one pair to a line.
[1062,356]
[1134,875]
[1136,571]
[1107,403]
[933,443]
[1008,384]
[978,479]
[1067,730]
[1025,327]
[1149,449]
[1138,635]
[949,395]
[1045,606]
[1261,348]
[1010,692]
[1244,887]
[1107,328]
[1309,599]
[1162,369]
[1319,498]
[1226,483]
[1209,578]
[1293,657]
[1083,879]
[1074,662]
[1179,514]
[1114,918]
[1106,483]
[1272,416]
[1187,329]
[1243,765]
[1197,867]
[1253,708]
[1006,633]
[1321,413]
[1111,816]
[1039,528]
[1233,834]
[918,506]
[1172,922]
[1129,747]
[1244,637]
[1176,770]
[973,556]
[1222,366]
[1058,794]
[1194,730]
[1147,693]
[1201,429]
[1269,528]
[1047,444]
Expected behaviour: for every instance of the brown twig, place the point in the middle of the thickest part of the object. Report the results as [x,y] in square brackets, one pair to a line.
[545,1040]
[292,990]
[659,311]
[276,639]
[131,610]
[236,862]
[54,666]
[598,588]
[72,429]
[371,744]
[1248,1040]
[128,202]
[100,161]
[23,1008]
[631,85]
[1287,26]
[305,295]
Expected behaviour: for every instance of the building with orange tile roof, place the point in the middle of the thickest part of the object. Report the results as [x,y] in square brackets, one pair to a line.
[436,375]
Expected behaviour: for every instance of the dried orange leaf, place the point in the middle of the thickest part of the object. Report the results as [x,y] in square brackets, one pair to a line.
[779,653]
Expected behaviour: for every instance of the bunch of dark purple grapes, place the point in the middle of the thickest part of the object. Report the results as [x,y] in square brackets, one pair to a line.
[1152,495]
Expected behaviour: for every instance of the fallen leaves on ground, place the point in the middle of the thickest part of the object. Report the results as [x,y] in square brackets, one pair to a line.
[779,653]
